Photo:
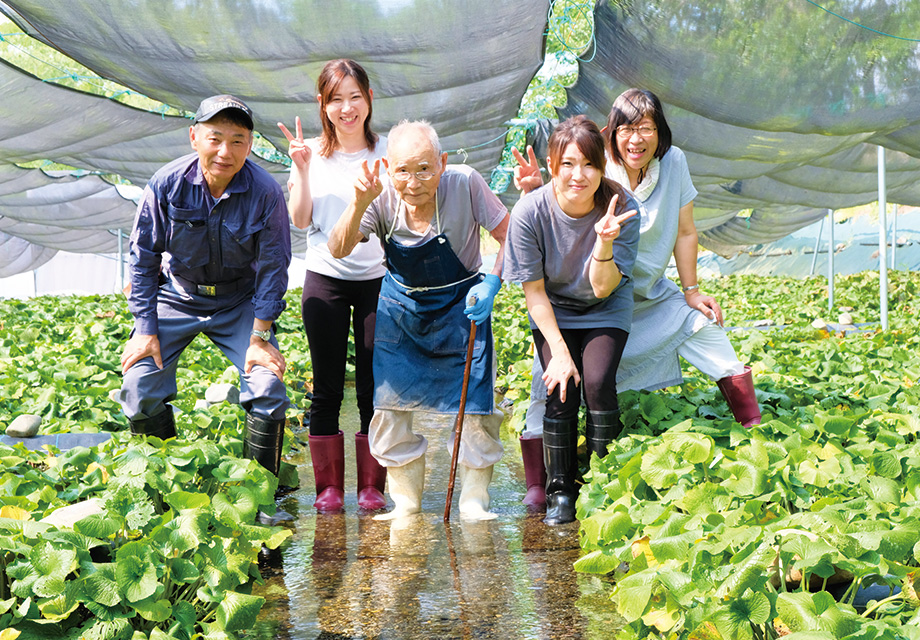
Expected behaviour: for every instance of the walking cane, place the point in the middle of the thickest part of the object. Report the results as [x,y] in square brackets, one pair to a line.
[458,428]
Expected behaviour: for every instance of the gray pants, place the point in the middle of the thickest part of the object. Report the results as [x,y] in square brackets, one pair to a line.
[146,389]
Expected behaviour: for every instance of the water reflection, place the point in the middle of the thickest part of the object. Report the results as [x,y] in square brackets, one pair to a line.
[347,576]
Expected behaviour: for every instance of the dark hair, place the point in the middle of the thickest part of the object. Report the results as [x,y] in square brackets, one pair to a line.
[629,108]
[328,82]
[587,137]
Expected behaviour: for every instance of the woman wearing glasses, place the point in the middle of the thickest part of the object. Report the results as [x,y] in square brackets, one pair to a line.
[572,244]
[338,293]
[668,321]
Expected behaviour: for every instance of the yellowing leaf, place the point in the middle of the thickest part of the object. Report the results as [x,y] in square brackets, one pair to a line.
[910,587]
[661,619]
[95,465]
[14,513]
[829,451]
[642,547]
[706,631]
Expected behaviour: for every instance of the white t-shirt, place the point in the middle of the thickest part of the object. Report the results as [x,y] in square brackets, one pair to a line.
[332,182]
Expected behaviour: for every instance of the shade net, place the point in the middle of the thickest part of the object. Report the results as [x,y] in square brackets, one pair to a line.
[779,106]
[461,66]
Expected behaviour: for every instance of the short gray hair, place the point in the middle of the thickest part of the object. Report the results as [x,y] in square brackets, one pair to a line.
[422,126]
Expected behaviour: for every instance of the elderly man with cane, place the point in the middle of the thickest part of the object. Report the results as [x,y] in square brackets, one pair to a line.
[427,216]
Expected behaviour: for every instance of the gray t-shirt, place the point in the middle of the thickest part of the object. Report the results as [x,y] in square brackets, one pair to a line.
[544,242]
[465,203]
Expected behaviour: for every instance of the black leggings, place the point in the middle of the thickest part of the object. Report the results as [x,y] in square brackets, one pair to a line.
[596,353]
[326,309]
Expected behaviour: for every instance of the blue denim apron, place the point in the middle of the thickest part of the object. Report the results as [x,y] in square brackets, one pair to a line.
[421,334]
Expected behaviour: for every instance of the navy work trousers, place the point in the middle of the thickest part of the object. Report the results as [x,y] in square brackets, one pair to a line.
[181,317]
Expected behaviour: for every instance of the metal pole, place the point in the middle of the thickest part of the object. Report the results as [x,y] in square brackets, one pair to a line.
[830,259]
[814,258]
[882,240]
[894,234]
[121,259]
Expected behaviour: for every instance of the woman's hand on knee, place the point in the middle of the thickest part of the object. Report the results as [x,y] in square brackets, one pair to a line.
[558,372]
[706,304]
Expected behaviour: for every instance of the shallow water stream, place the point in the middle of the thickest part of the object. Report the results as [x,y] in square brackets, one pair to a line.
[347,576]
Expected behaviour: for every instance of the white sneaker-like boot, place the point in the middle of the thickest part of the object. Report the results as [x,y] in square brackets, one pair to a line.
[405,485]
[474,493]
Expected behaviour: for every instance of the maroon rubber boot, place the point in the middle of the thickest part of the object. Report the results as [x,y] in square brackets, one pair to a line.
[534,473]
[739,393]
[372,477]
[328,455]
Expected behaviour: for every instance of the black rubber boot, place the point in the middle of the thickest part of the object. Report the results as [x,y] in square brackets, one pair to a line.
[162,425]
[262,442]
[560,439]
[602,428]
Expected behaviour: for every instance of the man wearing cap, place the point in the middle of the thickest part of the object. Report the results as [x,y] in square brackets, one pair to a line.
[209,254]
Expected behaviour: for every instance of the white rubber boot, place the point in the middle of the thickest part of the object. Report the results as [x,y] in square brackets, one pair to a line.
[405,484]
[474,493]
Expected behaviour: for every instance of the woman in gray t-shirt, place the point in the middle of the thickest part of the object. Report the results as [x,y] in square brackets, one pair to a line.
[572,244]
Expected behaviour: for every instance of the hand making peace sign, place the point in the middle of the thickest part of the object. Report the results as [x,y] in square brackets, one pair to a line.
[368,185]
[527,174]
[608,227]
[298,150]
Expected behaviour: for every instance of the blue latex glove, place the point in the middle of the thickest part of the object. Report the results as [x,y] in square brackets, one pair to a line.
[484,292]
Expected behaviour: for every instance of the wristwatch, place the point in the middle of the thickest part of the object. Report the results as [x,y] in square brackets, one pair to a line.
[265,335]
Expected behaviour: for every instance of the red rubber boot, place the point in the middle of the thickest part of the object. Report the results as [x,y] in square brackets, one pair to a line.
[372,477]
[739,393]
[328,455]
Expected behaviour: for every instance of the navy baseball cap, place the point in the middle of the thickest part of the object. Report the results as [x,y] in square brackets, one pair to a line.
[210,107]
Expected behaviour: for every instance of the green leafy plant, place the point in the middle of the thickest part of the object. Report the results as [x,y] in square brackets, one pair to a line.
[710,531]
[715,532]
[513,349]
[173,552]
